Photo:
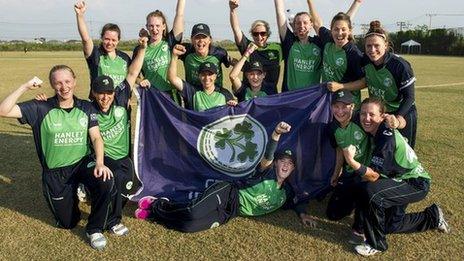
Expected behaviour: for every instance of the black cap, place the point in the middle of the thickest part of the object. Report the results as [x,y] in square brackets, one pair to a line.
[254,66]
[286,153]
[343,96]
[208,67]
[201,29]
[103,83]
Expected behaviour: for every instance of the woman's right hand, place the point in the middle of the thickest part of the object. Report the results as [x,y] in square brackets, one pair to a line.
[233,4]
[34,83]
[178,50]
[334,86]
[145,84]
[80,8]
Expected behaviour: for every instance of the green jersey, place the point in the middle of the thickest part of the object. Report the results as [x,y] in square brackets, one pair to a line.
[114,128]
[262,198]
[302,62]
[200,101]
[353,135]
[156,62]
[60,135]
[393,157]
[249,94]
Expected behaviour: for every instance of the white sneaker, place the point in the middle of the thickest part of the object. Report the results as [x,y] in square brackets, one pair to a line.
[119,230]
[366,250]
[442,224]
[97,241]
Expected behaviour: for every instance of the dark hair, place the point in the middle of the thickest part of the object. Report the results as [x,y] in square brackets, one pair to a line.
[110,27]
[58,68]
[300,14]
[158,13]
[375,28]
[341,16]
[377,101]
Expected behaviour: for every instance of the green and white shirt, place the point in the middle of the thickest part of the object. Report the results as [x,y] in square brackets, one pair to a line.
[60,135]
[200,101]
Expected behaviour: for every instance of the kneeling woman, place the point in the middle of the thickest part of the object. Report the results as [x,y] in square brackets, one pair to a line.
[263,193]
[399,179]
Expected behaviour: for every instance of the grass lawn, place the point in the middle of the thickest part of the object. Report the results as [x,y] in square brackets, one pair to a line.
[28,233]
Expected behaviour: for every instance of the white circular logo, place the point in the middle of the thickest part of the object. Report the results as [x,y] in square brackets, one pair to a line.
[164,48]
[129,185]
[316,51]
[358,135]
[387,82]
[118,112]
[339,61]
[233,145]
[83,122]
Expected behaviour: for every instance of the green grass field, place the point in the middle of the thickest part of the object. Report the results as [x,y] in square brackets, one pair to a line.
[26,224]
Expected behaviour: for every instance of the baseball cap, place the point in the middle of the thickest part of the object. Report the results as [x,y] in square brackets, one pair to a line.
[201,29]
[254,66]
[286,153]
[208,67]
[103,83]
[343,96]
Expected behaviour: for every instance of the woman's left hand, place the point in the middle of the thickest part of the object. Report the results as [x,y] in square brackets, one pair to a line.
[102,171]
[232,103]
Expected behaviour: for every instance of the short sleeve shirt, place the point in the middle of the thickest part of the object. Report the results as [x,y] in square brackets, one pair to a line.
[60,135]
[200,101]
[156,62]
[245,93]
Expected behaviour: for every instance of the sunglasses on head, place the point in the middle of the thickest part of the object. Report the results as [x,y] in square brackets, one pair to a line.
[256,34]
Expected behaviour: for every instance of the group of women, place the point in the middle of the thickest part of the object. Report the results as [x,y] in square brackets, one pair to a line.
[377,172]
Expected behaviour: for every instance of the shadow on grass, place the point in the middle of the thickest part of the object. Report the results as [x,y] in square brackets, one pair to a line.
[21,182]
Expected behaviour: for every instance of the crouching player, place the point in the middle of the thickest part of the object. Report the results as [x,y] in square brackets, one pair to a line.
[225,200]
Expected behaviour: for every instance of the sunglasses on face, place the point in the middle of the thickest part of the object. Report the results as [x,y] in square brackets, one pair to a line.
[256,34]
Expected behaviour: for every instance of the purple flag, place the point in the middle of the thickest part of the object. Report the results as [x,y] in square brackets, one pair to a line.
[179,152]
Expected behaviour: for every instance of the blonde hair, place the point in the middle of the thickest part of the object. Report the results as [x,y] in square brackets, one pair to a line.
[262,23]
[60,67]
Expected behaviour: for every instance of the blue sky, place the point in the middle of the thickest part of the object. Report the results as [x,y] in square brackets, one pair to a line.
[55,19]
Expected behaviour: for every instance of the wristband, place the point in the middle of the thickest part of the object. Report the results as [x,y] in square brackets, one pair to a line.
[361,171]
[270,150]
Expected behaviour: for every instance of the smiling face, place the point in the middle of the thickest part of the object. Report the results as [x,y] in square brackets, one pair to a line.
[110,40]
[104,100]
[341,32]
[260,35]
[201,44]
[284,167]
[371,116]
[302,25]
[255,78]
[342,112]
[63,83]
[156,27]
[376,47]
[207,80]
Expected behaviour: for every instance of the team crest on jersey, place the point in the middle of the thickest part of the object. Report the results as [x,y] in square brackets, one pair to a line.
[233,145]
[118,112]
[83,122]
[387,82]
[339,61]
[316,51]
[271,55]
[164,48]
[358,135]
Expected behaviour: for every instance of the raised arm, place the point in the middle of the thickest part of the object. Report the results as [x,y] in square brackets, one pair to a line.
[354,8]
[87,43]
[100,169]
[281,18]
[350,86]
[234,74]
[137,62]
[178,26]
[173,78]
[316,19]
[271,146]
[234,23]
[9,108]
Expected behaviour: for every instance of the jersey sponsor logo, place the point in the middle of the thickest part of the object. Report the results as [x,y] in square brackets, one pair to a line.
[339,62]
[113,132]
[233,145]
[387,82]
[358,135]
[303,65]
[69,138]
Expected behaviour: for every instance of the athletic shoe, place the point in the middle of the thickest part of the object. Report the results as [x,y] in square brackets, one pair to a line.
[357,238]
[119,230]
[442,224]
[142,213]
[82,193]
[97,241]
[366,250]
[146,202]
